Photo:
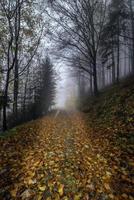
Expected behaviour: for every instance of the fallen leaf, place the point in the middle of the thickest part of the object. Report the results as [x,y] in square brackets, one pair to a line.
[106,185]
[42,188]
[13,192]
[61,189]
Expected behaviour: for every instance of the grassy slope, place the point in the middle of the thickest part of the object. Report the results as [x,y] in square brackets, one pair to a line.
[113,108]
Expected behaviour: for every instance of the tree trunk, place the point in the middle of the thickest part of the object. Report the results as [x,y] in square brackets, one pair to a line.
[118,62]
[132,27]
[4,118]
[5,103]
[113,66]
[91,85]
[16,78]
[118,53]
[103,76]
[95,78]
[25,93]
[15,105]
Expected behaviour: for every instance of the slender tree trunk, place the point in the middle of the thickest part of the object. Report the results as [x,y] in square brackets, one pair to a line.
[103,75]
[118,62]
[15,105]
[5,102]
[9,68]
[79,84]
[16,77]
[0,115]
[132,27]
[95,78]
[25,92]
[91,84]
[4,116]
[125,62]
[113,66]
[118,53]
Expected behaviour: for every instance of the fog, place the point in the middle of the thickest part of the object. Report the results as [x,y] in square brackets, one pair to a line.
[66,90]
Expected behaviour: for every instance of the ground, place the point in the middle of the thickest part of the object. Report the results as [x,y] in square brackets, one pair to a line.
[63,157]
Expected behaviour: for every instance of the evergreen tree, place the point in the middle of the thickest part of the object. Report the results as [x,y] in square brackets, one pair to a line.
[111,37]
[45,92]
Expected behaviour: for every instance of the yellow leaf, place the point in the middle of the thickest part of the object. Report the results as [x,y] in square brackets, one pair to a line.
[36,163]
[111,196]
[57,197]
[42,188]
[39,197]
[77,197]
[106,185]
[60,189]
[65,198]
[13,192]
[30,181]
[108,174]
[31,174]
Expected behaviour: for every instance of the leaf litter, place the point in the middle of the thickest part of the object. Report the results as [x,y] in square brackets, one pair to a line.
[63,158]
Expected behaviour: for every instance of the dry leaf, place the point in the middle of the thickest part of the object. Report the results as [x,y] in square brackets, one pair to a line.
[61,189]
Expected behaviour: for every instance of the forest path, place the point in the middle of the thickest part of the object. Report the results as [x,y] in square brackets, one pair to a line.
[55,158]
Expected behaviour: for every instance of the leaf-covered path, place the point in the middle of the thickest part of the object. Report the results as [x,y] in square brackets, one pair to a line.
[61,157]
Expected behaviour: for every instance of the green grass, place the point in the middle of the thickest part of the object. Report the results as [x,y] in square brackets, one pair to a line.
[15,130]
[8,133]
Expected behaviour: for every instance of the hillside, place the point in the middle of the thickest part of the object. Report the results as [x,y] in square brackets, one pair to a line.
[113,107]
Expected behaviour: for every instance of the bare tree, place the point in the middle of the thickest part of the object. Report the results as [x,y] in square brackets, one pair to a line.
[80,27]
[17,51]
